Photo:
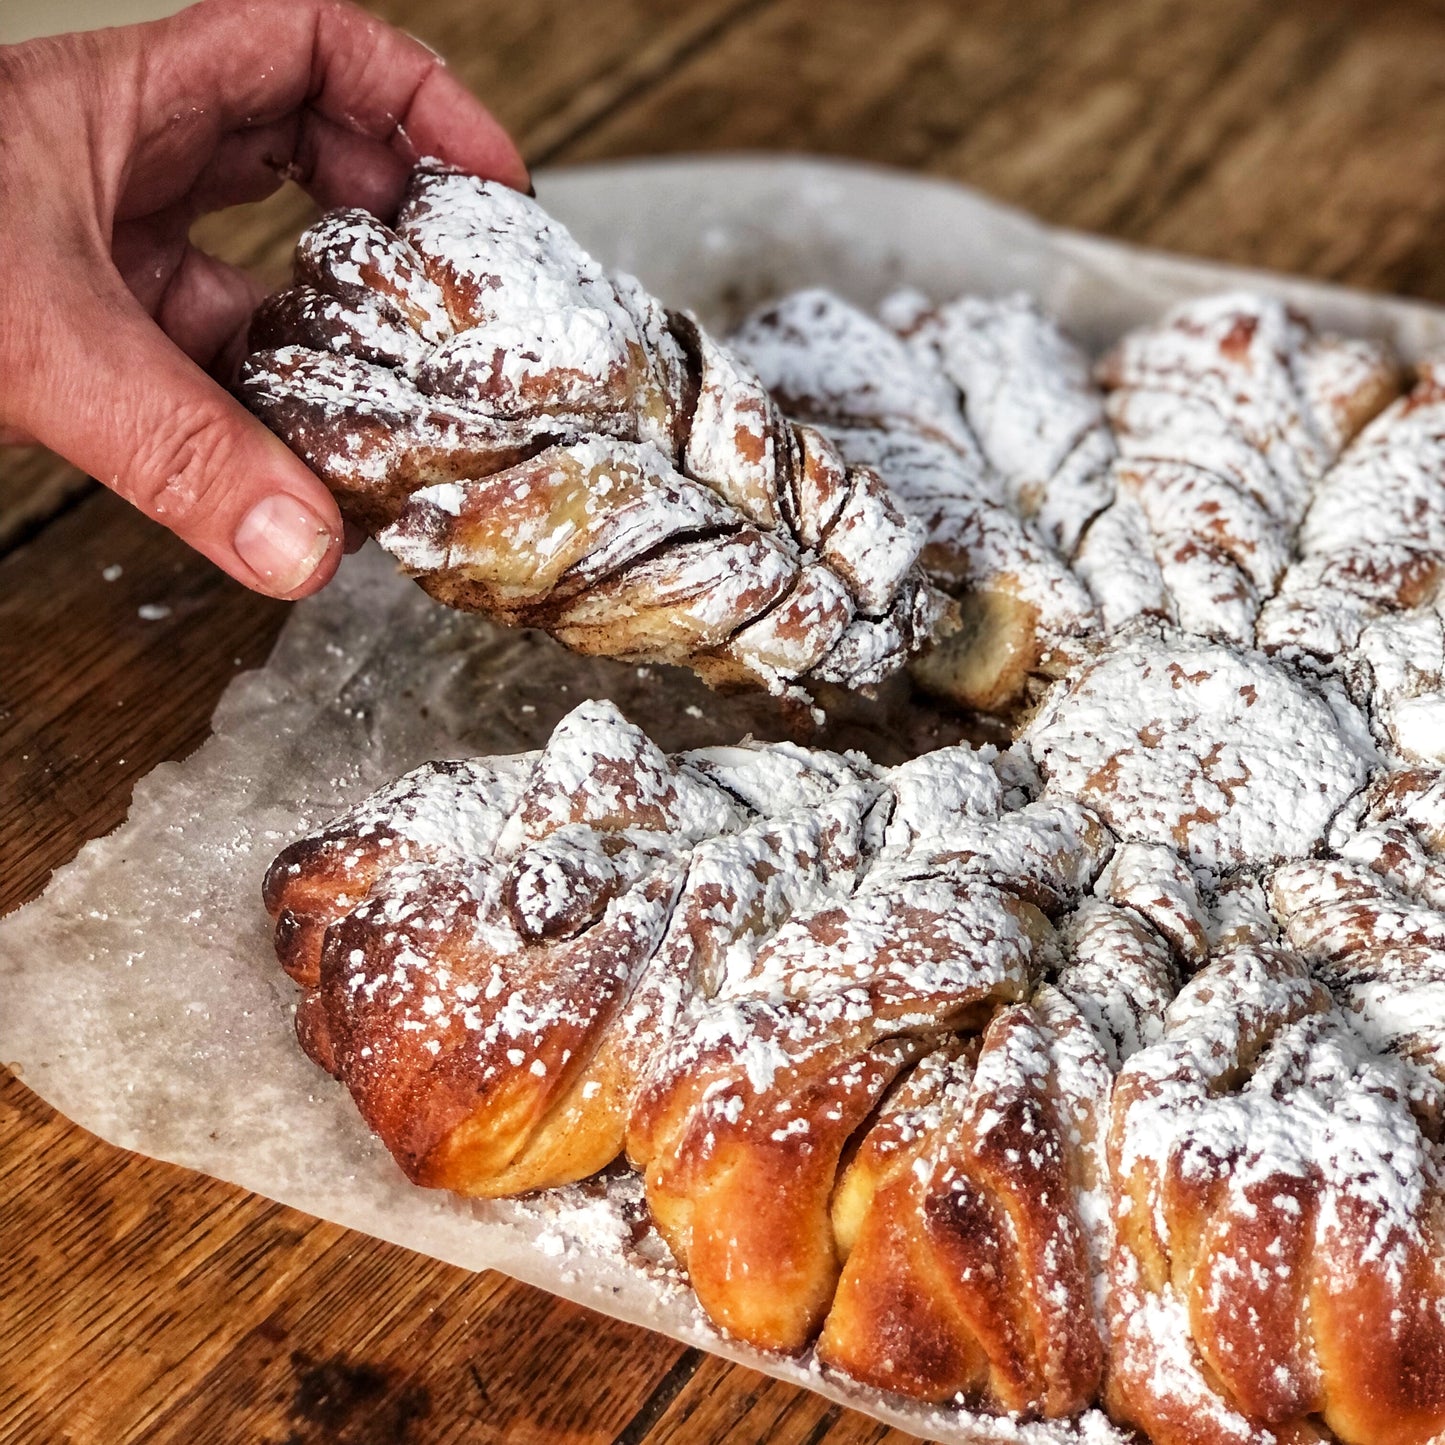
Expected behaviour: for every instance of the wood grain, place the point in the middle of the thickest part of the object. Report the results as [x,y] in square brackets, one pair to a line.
[92,693]
[145,1303]
[1305,135]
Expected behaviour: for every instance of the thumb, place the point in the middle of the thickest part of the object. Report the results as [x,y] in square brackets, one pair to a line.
[112,394]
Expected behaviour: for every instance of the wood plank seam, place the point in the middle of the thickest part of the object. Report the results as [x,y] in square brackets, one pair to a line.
[821,1429]
[25,523]
[663,1394]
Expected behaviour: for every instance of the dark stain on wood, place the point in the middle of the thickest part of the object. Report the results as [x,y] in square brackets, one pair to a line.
[343,1402]
[666,1391]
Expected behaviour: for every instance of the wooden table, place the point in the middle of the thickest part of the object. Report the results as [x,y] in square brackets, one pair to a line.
[140,1302]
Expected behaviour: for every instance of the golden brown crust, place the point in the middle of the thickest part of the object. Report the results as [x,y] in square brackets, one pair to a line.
[742,1123]
[743,1204]
[1278,1212]
[970,1273]
[806,994]
[447,1098]
[726,957]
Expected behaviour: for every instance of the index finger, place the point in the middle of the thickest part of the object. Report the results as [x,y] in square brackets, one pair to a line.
[253,62]
[373,79]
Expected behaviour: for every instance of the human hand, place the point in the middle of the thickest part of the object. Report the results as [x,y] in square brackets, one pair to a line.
[111,144]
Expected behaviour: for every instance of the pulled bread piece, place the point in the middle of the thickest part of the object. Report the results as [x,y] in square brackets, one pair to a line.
[1226,414]
[537,440]
[890,404]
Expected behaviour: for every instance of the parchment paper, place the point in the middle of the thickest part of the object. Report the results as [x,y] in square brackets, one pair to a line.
[140,996]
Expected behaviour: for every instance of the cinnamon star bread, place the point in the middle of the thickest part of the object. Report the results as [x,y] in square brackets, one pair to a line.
[1017,1091]
[1100,1072]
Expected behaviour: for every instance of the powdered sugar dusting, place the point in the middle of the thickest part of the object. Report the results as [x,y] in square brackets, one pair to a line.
[1364,595]
[1031,402]
[1263,1118]
[892,407]
[1216,753]
[737,954]
[1226,414]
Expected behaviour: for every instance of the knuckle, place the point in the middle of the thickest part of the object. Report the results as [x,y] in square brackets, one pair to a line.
[184,468]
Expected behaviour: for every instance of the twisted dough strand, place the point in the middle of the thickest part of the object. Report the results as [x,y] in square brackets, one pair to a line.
[1278,1200]
[888,404]
[1367,592]
[1371,920]
[1226,414]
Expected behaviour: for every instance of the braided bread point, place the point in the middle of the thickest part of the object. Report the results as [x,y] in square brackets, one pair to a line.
[468,875]
[1226,413]
[1119,975]
[1030,399]
[1371,920]
[1379,952]
[1217,754]
[539,441]
[888,406]
[1401,833]
[1126,948]
[1413,796]
[1365,595]
[743,1122]
[739,888]
[1278,1212]
[973,1217]
[1398,673]
[969,1267]
[741,1125]
[451,811]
